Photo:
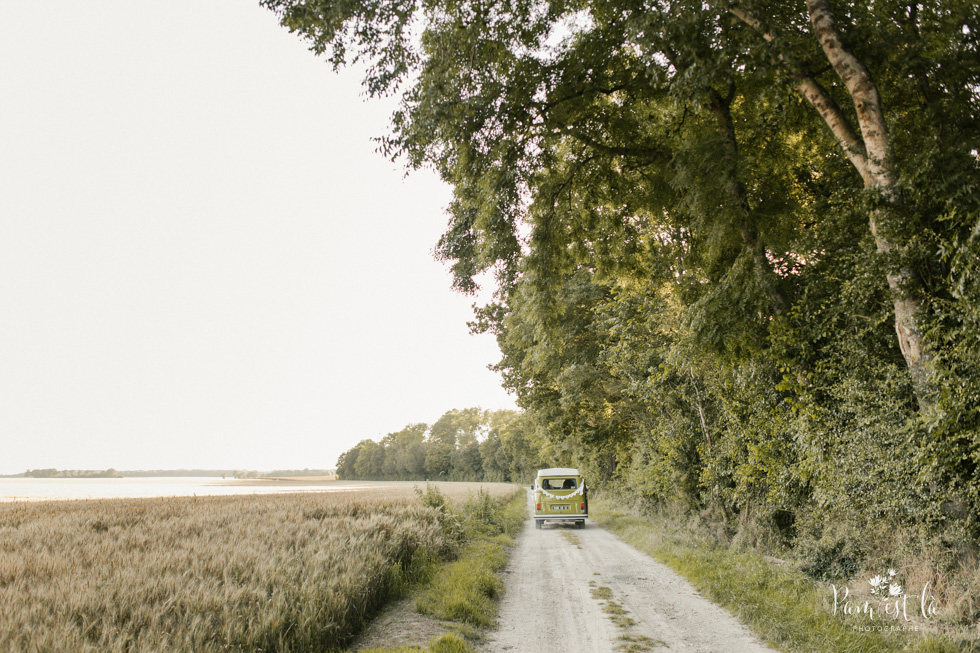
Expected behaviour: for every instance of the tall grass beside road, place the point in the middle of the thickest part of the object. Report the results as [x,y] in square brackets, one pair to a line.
[458,597]
[244,573]
[468,589]
[778,602]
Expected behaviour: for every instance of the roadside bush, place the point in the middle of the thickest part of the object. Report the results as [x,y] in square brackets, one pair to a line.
[449,522]
[834,560]
[486,517]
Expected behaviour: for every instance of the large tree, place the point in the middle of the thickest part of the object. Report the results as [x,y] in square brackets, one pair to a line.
[697,212]
[568,126]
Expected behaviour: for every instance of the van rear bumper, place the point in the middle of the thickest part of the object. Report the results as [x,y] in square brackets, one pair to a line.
[560,517]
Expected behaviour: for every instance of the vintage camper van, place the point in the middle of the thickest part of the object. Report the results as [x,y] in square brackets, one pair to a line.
[560,494]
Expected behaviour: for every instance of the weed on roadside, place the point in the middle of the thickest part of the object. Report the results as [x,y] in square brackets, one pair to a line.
[446,643]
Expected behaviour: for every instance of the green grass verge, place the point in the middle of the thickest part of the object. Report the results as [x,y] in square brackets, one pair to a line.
[465,591]
[783,606]
[447,643]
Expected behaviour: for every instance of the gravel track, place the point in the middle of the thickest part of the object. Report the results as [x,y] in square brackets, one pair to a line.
[580,590]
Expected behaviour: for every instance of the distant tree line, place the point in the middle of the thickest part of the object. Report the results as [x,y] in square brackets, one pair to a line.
[171,473]
[463,445]
[288,473]
[72,473]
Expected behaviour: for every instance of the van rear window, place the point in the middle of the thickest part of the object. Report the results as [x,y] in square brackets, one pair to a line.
[558,483]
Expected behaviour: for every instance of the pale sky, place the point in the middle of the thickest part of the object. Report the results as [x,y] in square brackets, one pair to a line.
[203,260]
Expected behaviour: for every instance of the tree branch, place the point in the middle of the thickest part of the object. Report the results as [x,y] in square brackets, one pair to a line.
[820,99]
[616,150]
[863,91]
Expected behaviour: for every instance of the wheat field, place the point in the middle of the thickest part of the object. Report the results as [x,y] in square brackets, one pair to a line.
[243,573]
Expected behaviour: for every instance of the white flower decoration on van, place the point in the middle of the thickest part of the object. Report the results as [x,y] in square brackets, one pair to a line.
[577,492]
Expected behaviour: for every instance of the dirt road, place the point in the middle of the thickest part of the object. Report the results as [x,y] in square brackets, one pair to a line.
[580,590]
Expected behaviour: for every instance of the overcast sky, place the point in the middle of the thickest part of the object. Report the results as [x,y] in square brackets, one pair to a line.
[203,261]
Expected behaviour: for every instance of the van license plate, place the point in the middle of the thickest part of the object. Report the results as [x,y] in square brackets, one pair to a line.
[559,507]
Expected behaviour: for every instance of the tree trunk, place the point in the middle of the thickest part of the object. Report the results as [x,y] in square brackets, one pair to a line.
[877,169]
[871,155]
[721,108]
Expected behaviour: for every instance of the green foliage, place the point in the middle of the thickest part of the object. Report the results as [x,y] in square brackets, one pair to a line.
[951,456]
[445,643]
[449,522]
[450,643]
[468,589]
[485,517]
[836,561]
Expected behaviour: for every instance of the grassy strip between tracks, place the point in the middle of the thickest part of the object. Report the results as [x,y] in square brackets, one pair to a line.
[463,593]
[781,605]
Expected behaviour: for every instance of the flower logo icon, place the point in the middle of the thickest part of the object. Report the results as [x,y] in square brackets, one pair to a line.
[876,584]
[883,585]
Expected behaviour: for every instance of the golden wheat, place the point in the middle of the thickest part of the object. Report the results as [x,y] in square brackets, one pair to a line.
[244,573]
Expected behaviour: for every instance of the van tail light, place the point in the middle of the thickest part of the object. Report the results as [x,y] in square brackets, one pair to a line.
[538,506]
[582,506]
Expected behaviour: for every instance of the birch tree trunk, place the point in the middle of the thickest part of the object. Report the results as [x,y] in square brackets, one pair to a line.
[870,153]
[877,169]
